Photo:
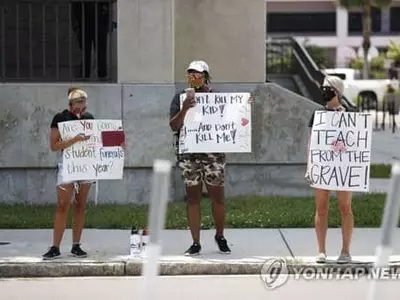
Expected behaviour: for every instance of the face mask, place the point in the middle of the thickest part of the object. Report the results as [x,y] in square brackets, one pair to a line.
[196,83]
[328,94]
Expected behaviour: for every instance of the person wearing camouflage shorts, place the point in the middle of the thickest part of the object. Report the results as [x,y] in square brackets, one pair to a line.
[199,168]
[208,168]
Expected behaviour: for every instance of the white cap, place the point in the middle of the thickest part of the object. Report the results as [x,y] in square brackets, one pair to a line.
[199,66]
[335,82]
[77,94]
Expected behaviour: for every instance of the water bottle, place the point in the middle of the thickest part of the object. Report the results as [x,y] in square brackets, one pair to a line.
[134,242]
[144,241]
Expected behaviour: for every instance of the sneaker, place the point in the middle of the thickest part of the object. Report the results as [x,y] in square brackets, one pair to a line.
[53,253]
[222,245]
[344,259]
[77,251]
[321,258]
[193,250]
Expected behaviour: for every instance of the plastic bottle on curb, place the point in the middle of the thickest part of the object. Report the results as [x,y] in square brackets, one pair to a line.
[144,241]
[135,248]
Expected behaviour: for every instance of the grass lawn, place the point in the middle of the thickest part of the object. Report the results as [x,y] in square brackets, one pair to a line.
[243,212]
[380,171]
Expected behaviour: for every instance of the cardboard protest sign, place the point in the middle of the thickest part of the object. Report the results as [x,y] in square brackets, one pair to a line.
[339,157]
[89,160]
[219,123]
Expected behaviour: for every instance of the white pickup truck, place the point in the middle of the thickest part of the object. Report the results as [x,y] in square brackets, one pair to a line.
[371,90]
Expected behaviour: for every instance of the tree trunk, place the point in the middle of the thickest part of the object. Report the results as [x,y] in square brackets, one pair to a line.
[366,36]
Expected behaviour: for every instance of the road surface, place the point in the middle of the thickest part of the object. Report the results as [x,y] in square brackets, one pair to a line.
[190,287]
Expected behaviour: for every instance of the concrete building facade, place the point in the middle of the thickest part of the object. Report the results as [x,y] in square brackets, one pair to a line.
[154,42]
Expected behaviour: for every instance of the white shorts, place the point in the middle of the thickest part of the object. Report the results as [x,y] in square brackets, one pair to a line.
[75,183]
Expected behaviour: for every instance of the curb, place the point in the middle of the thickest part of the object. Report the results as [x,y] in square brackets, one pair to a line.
[93,269]
[63,269]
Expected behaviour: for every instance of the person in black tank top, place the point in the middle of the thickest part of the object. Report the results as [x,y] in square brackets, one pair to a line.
[332,90]
[199,168]
[77,106]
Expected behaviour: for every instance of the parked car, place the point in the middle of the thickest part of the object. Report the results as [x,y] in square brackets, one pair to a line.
[366,93]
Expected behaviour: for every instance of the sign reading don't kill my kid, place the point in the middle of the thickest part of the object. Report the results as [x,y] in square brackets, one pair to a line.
[218,123]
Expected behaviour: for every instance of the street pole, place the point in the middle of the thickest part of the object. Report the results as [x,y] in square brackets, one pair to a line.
[160,194]
[389,224]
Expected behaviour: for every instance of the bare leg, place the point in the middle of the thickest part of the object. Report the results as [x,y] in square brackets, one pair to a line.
[214,173]
[216,194]
[321,217]
[79,216]
[64,194]
[193,210]
[347,219]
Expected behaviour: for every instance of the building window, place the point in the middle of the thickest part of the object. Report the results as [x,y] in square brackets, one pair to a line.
[301,22]
[56,41]
[395,19]
[355,21]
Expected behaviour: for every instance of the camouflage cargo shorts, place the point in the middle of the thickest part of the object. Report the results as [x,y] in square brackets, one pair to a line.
[203,167]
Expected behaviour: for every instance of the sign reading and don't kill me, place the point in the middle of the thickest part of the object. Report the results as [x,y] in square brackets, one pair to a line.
[219,123]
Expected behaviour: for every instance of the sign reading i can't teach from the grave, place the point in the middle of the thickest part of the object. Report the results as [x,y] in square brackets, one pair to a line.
[218,123]
[340,151]
[89,160]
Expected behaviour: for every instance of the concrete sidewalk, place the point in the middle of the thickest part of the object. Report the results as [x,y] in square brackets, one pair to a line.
[378,185]
[108,252]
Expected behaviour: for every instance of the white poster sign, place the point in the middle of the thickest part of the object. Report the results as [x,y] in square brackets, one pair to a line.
[89,160]
[340,151]
[219,123]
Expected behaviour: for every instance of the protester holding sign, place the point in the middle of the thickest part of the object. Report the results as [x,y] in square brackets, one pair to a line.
[332,89]
[76,111]
[200,167]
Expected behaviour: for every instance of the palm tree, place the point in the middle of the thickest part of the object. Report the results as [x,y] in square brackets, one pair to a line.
[394,53]
[365,5]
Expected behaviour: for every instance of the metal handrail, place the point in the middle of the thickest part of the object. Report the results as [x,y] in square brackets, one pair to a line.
[303,65]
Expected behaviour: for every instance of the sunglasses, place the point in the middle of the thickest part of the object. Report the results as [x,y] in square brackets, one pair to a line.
[195,75]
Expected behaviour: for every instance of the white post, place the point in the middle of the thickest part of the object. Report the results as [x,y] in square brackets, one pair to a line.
[389,225]
[160,194]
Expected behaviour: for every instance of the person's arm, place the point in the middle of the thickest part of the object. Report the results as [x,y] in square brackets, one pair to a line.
[56,144]
[176,122]
[310,125]
[308,148]
[177,115]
